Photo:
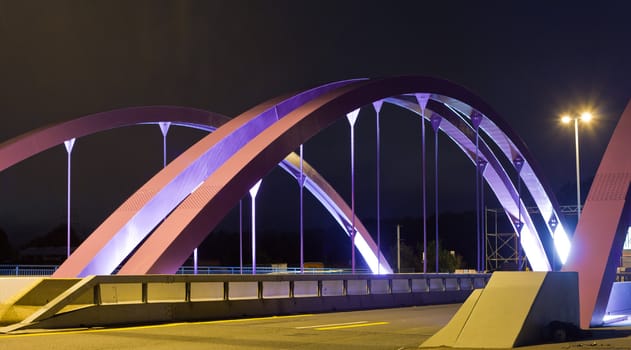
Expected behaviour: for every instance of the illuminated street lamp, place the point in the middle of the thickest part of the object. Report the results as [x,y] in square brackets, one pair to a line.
[566,119]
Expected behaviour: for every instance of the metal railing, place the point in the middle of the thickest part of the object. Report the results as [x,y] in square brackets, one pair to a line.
[27,270]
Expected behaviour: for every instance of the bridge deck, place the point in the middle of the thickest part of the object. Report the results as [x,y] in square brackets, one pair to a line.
[399,328]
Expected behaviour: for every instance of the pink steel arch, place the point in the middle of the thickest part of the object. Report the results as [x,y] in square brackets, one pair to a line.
[24,146]
[20,148]
[601,230]
[273,110]
[113,240]
[170,244]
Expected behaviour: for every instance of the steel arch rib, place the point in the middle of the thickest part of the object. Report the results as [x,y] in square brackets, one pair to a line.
[600,233]
[495,175]
[339,210]
[512,147]
[168,247]
[24,146]
[113,240]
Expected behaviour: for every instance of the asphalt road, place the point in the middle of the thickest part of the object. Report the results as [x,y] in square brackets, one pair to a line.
[403,328]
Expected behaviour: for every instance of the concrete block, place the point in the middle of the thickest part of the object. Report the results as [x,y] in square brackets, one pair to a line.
[206,291]
[275,289]
[243,290]
[10,286]
[452,284]
[304,289]
[158,292]
[420,285]
[379,287]
[356,287]
[402,286]
[120,293]
[513,310]
[332,288]
[448,335]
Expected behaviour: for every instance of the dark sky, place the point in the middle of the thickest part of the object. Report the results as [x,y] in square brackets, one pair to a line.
[530,60]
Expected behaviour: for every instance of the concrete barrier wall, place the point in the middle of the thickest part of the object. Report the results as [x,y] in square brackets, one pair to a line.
[14,285]
[114,300]
[207,291]
[305,289]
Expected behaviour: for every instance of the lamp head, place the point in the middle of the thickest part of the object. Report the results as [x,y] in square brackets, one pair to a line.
[566,119]
[586,117]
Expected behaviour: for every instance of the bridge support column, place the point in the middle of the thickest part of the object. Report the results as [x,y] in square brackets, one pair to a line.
[253,191]
[301,184]
[422,103]
[69,144]
[436,119]
[352,118]
[377,106]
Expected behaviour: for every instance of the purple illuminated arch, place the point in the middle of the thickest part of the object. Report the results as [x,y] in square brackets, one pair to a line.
[24,146]
[170,244]
[462,133]
[113,240]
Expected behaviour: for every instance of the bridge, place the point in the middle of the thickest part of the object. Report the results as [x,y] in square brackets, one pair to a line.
[161,224]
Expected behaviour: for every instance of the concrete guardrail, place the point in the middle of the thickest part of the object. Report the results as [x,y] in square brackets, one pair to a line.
[117,300]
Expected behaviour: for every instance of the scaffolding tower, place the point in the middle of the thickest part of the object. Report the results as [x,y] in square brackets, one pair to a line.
[502,245]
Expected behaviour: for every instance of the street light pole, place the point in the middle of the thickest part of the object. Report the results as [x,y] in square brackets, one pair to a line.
[578,171]
[585,117]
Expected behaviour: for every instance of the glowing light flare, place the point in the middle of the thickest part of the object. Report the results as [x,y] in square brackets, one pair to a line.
[196,187]
[616,320]
[369,255]
[535,253]
[562,244]
[584,117]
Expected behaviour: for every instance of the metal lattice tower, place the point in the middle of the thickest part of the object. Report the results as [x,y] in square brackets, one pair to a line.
[502,247]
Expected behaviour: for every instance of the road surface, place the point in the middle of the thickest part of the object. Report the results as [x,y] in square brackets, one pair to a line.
[402,328]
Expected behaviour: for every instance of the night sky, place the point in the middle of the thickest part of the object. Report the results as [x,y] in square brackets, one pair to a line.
[530,60]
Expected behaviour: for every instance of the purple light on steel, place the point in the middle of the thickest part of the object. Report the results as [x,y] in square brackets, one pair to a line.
[141,213]
[164,129]
[600,233]
[519,163]
[422,99]
[441,86]
[480,170]
[253,191]
[69,144]
[24,146]
[476,119]
[162,250]
[339,210]
[377,105]
[301,184]
[510,144]
[460,132]
[352,118]
[241,237]
[436,119]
